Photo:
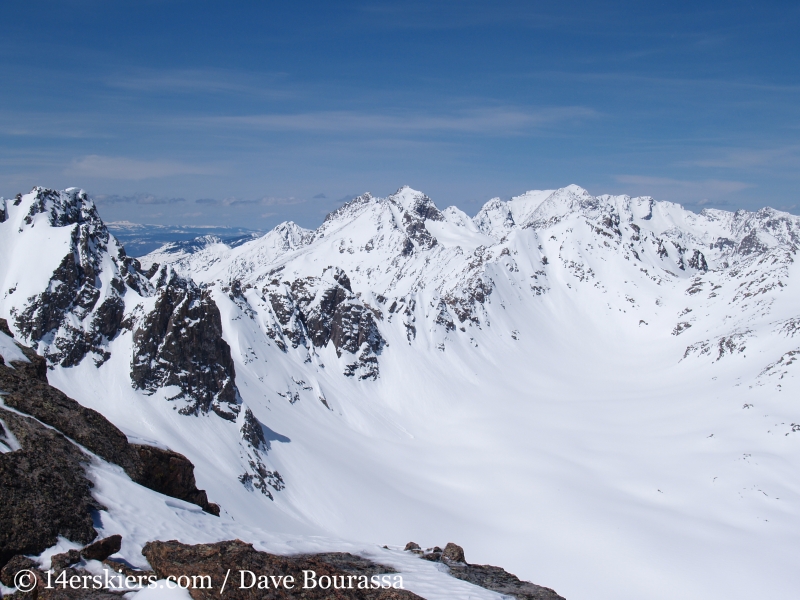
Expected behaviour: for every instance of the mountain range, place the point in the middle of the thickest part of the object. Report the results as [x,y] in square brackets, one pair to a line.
[598,393]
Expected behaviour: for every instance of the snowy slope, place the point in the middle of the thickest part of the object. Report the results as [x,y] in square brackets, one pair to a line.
[597,393]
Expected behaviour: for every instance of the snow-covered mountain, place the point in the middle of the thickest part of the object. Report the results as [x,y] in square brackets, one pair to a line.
[598,393]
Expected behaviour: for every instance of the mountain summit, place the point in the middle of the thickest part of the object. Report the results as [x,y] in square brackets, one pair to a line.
[565,383]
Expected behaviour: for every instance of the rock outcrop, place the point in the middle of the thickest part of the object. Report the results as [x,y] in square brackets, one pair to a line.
[44,490]
[486,576]
[171,474]
[319,310]
[214,560]
[179,343]
[102,549]
[25,389]
[49,586]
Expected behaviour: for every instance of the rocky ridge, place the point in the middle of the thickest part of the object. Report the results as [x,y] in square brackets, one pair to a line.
[317,329]
[492,578]
[91,295]
[47,438]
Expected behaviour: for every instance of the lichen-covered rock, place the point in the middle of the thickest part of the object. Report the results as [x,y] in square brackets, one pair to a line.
[11,567]
[179,343]
[175,559]
[54,591]
[25,389]
[102,549]
[453,553]
[44,491]
[491,578]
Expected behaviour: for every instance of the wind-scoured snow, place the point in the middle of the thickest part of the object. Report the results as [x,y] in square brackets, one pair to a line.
[597,393]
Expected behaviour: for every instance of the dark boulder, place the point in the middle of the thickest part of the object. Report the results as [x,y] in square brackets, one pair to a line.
[171,474]
[453,553]
[15,565]
[102,549]
[65,559]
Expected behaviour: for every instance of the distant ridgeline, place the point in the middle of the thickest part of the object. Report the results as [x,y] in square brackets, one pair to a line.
[404,370]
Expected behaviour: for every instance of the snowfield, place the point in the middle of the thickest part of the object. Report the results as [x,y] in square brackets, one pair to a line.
[599,394]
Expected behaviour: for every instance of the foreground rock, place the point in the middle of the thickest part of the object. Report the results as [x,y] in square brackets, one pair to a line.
[102,549]
[171,474]
[44,491]
[486,576]
[55,591]
[214,560]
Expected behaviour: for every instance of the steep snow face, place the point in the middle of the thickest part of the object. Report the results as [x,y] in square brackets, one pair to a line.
[594,392]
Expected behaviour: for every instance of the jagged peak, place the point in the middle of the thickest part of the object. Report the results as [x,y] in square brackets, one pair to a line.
[62,208]
[416,202]
[350,208]
[493,203]
[494,218]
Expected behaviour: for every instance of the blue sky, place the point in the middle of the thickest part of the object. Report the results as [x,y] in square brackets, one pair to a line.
[250,113]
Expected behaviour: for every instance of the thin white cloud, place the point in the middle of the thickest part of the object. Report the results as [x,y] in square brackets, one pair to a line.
[137,198]
[484,121]
[265,201]
[118,167]
[192,81]
[696,192]
[273,201]
[745,158]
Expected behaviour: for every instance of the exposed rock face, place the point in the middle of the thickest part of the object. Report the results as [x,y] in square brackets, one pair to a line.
[61,563]
[318,310]
[258,477]
[416,209]
[179,343]
[27,391]
[453,553]
[102,549]
[214,560]
[486,576]
[82,307]
[171,474]
[501,581]
[44,492]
